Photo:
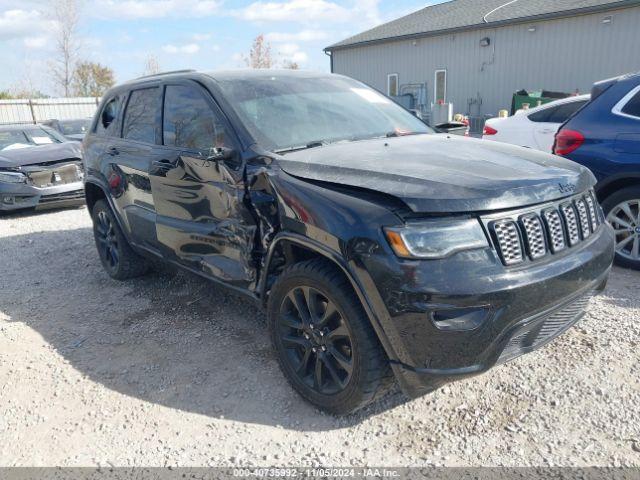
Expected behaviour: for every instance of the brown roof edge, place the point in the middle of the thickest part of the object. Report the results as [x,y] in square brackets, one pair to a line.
[481,26]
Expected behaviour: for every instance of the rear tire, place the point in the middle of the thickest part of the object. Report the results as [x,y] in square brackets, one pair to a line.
[324,342]
[622,210]
[116,255]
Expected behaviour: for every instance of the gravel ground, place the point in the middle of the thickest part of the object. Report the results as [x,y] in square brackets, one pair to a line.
[172,370]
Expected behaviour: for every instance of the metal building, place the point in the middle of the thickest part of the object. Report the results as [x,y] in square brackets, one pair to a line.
[477,53]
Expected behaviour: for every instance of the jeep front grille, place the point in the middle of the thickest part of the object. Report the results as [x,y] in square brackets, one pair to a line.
[535,234]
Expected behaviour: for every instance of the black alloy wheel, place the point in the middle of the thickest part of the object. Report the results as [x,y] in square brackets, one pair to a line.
[116,255]
[317,340]
[324,340]
[106,240]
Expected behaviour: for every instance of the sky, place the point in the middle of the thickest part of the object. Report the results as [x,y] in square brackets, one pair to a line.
[200,34]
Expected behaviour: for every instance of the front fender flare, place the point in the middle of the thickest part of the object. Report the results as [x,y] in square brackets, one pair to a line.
[338,260]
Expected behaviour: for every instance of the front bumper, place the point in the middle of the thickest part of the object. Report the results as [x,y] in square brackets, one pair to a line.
[526,307]
[21,196]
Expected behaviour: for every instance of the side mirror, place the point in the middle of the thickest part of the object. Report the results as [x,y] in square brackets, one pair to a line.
[220,154]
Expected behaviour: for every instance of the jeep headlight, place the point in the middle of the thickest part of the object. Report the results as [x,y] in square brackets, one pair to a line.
[437,238]
[13,177]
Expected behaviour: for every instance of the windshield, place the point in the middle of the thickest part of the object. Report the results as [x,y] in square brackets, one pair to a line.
[74,127]
[28,137]
[286,112]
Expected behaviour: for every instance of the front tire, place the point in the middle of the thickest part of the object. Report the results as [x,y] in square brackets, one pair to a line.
[324,342]
[116,255]
[622,210]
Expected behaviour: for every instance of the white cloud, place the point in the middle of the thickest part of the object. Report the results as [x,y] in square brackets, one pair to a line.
[201,37]
[288,48]
[188,49]
[132,9]
[367,14]
[292,52]
[302,36]
[18,23]
[299,57]
[36,42]
[293,11]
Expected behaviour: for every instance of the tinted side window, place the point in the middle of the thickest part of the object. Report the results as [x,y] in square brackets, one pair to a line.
[563,112]
[140,116]
[106,124]
[633,106]
[543,115]
[190,122]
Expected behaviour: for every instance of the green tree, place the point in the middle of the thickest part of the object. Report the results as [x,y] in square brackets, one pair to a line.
[92,79]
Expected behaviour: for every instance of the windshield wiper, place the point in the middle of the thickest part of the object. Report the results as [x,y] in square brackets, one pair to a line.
[314,144]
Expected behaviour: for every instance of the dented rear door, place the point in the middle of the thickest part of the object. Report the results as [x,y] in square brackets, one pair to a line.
[201,219]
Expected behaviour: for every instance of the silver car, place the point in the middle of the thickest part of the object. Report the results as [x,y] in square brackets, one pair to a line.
[39,168]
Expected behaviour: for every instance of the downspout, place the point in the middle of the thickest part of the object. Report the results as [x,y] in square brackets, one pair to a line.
[329,53]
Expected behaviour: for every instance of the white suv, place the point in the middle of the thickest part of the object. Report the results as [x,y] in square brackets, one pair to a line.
[535,128]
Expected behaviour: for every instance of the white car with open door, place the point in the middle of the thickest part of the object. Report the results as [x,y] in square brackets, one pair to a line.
[535,128]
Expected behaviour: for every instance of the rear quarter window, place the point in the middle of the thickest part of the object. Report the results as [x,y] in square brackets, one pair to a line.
[141,115]
[633,106]
[108,118]
[543,115]
[563,112]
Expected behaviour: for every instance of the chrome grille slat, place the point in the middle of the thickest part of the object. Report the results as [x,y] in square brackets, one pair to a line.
[534,236]
[553,221]
[593,216]
[571,222]
[583,216]
[508,237]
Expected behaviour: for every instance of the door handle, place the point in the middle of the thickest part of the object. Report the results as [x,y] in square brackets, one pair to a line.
[113,151]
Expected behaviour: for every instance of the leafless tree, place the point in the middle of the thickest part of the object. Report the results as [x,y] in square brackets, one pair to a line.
[151,65]
[260,54]
[66,15]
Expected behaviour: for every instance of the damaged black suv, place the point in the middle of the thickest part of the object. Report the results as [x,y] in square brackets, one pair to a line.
[378,248]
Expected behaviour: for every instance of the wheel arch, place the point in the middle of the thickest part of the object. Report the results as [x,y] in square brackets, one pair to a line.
[92,193]
[617,182]
[309,248]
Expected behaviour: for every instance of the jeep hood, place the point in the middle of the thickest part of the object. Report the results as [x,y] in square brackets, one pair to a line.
[441,173]
[39,154]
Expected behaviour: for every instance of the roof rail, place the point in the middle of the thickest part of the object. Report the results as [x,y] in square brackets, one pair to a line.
[190,70]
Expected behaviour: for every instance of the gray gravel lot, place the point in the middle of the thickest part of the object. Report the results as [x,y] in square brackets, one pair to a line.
[172,370]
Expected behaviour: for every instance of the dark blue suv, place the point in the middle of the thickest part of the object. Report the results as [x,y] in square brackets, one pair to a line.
[605,136]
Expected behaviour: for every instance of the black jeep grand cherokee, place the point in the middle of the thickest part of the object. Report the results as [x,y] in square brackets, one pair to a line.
[378,248]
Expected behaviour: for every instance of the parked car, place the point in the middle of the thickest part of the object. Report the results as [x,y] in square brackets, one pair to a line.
[39,168]
[72,129]
[535,128]
[377,248]
[605,136]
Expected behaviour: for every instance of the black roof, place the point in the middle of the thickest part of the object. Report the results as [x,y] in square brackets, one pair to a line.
[236,74]
[459,15]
